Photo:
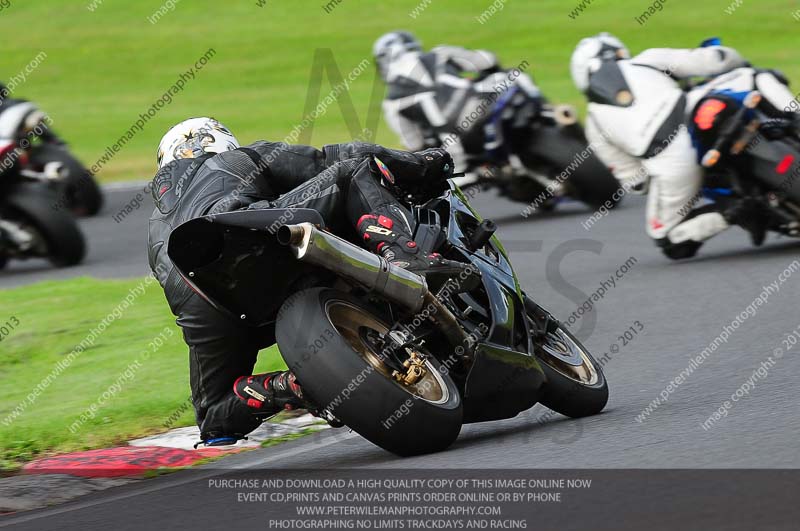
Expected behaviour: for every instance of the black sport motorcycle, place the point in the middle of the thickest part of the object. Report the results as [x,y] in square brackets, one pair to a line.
[751,154]
[30,223]
[48,159]
[400,359]
[550,158]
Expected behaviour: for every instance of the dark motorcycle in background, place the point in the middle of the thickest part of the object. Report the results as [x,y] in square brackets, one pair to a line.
[550,158]
[400,359]
[48,159]
[752,157]
[30,224]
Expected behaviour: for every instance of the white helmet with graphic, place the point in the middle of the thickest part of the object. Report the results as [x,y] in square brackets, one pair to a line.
[194,137]
[590,54]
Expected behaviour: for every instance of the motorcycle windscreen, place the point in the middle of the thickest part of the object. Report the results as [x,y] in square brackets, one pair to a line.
[235,262]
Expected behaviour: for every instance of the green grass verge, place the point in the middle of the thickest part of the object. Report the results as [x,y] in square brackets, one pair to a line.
[146,384]
[105,67]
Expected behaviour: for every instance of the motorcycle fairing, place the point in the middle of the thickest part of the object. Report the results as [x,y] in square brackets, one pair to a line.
[505,378]
[460,205]
[768,163]
[234,261]
[764,158]
[501,384]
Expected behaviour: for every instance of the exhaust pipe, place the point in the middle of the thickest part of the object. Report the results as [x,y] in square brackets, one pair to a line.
[565,115]
[325,250]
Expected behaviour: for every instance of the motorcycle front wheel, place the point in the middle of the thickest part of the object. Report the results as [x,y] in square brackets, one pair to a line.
[81,192]
[58,236]
[329,340]
[576,386]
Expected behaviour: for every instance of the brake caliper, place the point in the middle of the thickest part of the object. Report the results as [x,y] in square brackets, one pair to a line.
[415,369]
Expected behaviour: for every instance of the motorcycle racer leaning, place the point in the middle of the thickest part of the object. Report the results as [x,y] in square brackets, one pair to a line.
[203,170]
[15,116]
[635,124]
[431,96]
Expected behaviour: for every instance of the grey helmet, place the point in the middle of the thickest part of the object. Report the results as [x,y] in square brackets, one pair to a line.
[392,45]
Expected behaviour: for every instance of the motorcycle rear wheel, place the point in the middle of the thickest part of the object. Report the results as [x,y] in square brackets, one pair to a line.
[552,151]
[326,338]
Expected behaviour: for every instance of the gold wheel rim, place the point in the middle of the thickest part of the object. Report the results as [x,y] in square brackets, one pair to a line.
[558,343]
[350,322]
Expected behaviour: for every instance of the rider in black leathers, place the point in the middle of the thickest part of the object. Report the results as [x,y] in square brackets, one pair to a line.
[340,181]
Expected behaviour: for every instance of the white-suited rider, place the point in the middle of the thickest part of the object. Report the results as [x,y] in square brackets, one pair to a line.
[432,95]
[636,117]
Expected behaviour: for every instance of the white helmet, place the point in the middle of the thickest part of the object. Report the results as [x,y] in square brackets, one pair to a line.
[590,54]
[390,46]
[192,138]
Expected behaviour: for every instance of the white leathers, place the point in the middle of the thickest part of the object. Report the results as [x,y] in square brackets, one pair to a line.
[652,78]
[432,95]
[644,145]
[408,67]
[747,79]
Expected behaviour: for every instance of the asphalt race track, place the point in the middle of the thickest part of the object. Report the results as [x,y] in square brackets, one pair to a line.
[680,308]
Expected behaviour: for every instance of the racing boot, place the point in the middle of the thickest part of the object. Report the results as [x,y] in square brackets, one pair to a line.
[265,394]
[678,251]
[270,392]
[382,236]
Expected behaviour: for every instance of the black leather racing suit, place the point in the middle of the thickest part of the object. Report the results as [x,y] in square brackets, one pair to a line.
[337,181]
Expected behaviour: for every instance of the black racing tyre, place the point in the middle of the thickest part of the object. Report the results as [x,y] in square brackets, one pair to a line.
[81,192]
[576,386]
[63,242]
[326,338]
[3,261]
[594,184]
[588,180]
